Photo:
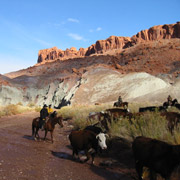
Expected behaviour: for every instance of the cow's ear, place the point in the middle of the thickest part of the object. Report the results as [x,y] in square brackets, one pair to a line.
[107,135]
[97,137]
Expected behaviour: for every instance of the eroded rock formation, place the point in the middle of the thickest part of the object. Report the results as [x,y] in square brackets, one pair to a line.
[113,42]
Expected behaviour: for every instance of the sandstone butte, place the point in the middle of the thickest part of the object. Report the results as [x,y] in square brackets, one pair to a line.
[159,32]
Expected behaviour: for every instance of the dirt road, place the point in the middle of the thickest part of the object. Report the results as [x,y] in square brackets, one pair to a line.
[22,158]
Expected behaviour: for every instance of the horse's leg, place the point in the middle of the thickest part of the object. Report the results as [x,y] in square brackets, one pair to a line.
[52,136]
[45,134]
[36,133]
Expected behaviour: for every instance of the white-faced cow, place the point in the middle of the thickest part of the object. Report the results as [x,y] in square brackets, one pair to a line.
[156,155]
[87,141]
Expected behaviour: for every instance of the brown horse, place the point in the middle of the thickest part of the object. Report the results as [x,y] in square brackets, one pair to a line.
[123,104]
[49,126]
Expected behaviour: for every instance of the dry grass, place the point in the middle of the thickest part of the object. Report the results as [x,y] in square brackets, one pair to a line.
[14,109]
[79,113]
[150,125]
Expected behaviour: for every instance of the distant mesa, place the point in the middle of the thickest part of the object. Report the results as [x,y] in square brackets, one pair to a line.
[159,32]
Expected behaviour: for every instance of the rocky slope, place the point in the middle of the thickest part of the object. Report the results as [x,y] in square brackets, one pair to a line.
[145,67]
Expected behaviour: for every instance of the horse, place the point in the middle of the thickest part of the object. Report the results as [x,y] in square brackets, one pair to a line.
[49,126]
[123,104]
[166,104]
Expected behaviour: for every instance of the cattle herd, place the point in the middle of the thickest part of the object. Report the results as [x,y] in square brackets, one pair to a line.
[159,157]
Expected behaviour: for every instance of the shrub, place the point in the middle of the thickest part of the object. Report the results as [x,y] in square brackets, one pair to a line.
[13,109]
[79,113]
[150,125]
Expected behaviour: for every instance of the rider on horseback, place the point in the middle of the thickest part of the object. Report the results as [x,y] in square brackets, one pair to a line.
[169,99]
[120,100]
[50,110]
[43,116]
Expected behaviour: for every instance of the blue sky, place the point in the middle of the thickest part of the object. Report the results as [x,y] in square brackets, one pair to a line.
[27,26]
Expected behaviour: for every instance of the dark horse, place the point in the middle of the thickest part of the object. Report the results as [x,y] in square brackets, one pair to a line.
[49,125]
[123,104]
[166,104]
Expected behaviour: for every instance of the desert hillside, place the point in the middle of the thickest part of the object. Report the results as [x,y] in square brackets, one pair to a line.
[145,67]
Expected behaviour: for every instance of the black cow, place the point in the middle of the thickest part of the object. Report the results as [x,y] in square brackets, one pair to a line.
[87,141]
[153,109]
[156,155]
[94,129]
[177,106]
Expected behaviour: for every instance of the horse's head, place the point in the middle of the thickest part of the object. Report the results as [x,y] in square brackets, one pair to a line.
[175,101]
[60,120]
[54,114]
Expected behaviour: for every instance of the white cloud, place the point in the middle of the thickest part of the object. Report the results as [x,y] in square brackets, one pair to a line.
[42,42]
[73,20]
[99,29]
[76,37]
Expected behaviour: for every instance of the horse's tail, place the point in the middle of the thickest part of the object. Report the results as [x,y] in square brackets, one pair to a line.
[33,128]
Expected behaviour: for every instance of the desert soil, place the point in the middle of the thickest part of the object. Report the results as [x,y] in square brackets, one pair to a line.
[23,158]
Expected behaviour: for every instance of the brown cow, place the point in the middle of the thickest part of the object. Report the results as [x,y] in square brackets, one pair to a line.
[116,113]
[173,119]
[88,141]
[156,155]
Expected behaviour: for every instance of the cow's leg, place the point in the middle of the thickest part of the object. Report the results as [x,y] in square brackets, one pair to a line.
[75,152]
[153,175]
[87,155]
[139,169]
[92,156]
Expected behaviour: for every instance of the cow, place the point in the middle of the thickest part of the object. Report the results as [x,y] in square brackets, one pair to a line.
[116,113]
[177,106]
[95,116]
[153,109]
[94,129]
[173,119]
[87,141]
[160,157]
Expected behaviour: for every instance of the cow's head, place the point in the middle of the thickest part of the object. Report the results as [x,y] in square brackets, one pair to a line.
[101,137]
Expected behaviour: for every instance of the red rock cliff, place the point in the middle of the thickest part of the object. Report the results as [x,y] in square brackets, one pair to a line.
[113,42]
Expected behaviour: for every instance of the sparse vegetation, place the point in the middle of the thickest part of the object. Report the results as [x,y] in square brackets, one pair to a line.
[14,109]
[79,113]
[151,125]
